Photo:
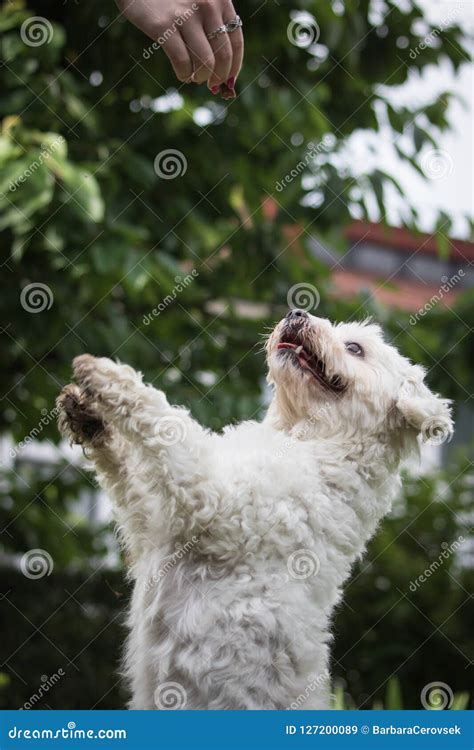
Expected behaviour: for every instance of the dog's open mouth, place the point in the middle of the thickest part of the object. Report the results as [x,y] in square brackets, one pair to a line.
[313,364]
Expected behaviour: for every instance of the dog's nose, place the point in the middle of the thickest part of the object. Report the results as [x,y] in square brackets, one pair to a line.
[296,316]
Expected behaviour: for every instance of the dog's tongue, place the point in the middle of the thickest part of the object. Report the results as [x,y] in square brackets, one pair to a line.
[310,362]
[302,355]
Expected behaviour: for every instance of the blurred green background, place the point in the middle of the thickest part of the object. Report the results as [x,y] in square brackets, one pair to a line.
[110,239]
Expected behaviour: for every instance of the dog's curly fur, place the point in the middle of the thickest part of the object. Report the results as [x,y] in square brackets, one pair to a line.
[240,542]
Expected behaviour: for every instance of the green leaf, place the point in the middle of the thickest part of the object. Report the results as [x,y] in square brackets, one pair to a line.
[29,192]
[81,190]
[8,150]
[18,246]
[394,700]
[460,702]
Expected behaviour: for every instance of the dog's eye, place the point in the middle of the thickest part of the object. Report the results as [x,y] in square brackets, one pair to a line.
[354,348]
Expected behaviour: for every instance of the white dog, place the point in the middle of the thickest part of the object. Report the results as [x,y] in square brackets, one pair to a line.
[239,543]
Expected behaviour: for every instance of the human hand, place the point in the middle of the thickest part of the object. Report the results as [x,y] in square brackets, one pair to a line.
[182,28]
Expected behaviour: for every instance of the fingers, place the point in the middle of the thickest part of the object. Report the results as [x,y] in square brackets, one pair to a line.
[199,48]
[236,39]
[179,57]
[163,32]
[220,44]
[183,34]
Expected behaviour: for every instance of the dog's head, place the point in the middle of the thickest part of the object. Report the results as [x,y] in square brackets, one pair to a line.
[347,380]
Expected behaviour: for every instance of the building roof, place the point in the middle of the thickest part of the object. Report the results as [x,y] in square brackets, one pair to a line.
[401,293]
[408,286]
[401,239]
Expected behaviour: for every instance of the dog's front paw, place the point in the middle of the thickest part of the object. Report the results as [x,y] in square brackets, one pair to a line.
[88,369]
[114,387]
[78,418]
[96,373]
[83,367]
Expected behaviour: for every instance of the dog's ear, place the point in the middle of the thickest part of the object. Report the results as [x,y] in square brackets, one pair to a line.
[424,411]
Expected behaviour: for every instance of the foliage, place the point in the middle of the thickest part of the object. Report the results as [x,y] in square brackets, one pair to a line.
[43,507]
[109,237]
[68,626]
[84,212]
[393,699]
[412,628]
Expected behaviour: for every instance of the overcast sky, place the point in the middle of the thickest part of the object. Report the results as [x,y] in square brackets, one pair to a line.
[450,186]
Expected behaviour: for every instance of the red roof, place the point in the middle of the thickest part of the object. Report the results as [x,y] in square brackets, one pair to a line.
[402,239]
[402,293]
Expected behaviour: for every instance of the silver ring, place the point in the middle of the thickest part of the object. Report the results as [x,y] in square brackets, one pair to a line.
[233,25]
[220,30]
[226,28]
